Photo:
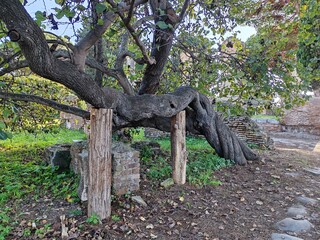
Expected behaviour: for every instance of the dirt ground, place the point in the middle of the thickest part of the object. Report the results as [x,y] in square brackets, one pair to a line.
[247,205]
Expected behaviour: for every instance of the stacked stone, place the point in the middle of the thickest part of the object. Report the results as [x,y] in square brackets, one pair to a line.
[248,131]
[125,160]
[126,169]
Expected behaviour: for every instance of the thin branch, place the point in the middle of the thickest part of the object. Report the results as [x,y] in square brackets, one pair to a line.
[130,12]
[7,59]
[134,35]
[47,102]
[60,41]
[13,67]
[92,36]
[183,10]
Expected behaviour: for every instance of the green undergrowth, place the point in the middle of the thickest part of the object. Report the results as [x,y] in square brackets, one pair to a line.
[24,177]
[23,173]
[202,162]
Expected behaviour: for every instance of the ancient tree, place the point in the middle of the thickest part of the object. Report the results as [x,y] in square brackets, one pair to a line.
[136,103]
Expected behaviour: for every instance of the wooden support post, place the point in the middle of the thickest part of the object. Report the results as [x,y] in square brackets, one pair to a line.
[100,163]
[178,148]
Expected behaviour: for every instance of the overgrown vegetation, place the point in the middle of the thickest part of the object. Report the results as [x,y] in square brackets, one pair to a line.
[24,175]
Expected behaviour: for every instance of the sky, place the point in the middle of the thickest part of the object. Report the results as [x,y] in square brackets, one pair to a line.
[66,29]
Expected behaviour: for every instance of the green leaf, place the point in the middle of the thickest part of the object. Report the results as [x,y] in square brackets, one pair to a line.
[60,2]
[39,17]
[60,14]
[2,84]
[3,135]
[70,14]
[100,8]
[6,113]
[139,67]
[100,22]
[162,25]
[2,125]
[111,32]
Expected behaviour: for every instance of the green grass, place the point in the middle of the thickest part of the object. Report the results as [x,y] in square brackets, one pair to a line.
[193,144]
[42,139]
[202,161]
[23,173]
[261,116]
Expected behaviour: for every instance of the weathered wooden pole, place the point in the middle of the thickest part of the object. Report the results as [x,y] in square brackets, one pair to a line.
[100,163]
[178,148]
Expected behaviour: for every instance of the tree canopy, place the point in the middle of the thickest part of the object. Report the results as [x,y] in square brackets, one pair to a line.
[127,55]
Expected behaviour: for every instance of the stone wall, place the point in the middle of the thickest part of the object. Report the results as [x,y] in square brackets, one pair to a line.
[125,160]
[304,118]
[126,168]
[245,128]
[268,125]
[249,131]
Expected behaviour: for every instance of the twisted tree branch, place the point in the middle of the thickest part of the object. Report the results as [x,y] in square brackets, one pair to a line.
[46,102]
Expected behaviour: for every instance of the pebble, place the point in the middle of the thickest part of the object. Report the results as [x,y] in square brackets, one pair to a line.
[167,183]
[292,225]
[292,174]
[139,200]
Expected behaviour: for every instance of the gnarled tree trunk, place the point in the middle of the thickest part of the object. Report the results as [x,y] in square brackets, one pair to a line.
[140,110]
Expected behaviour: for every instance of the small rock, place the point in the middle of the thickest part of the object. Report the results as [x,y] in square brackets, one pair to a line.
[221,227]
[153,236]
[139,200]
[167,183]
[291,225]
[259,202]
[33,225]
[150,226]
[297,211]
[306,200]
[275,176]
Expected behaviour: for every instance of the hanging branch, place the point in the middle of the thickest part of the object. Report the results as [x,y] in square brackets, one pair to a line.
[46,102]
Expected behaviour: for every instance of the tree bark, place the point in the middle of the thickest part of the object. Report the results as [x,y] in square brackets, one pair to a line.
[161,46]
[100,163]
[178,148]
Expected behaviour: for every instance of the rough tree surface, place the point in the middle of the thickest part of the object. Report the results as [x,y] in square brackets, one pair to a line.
[130,110]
